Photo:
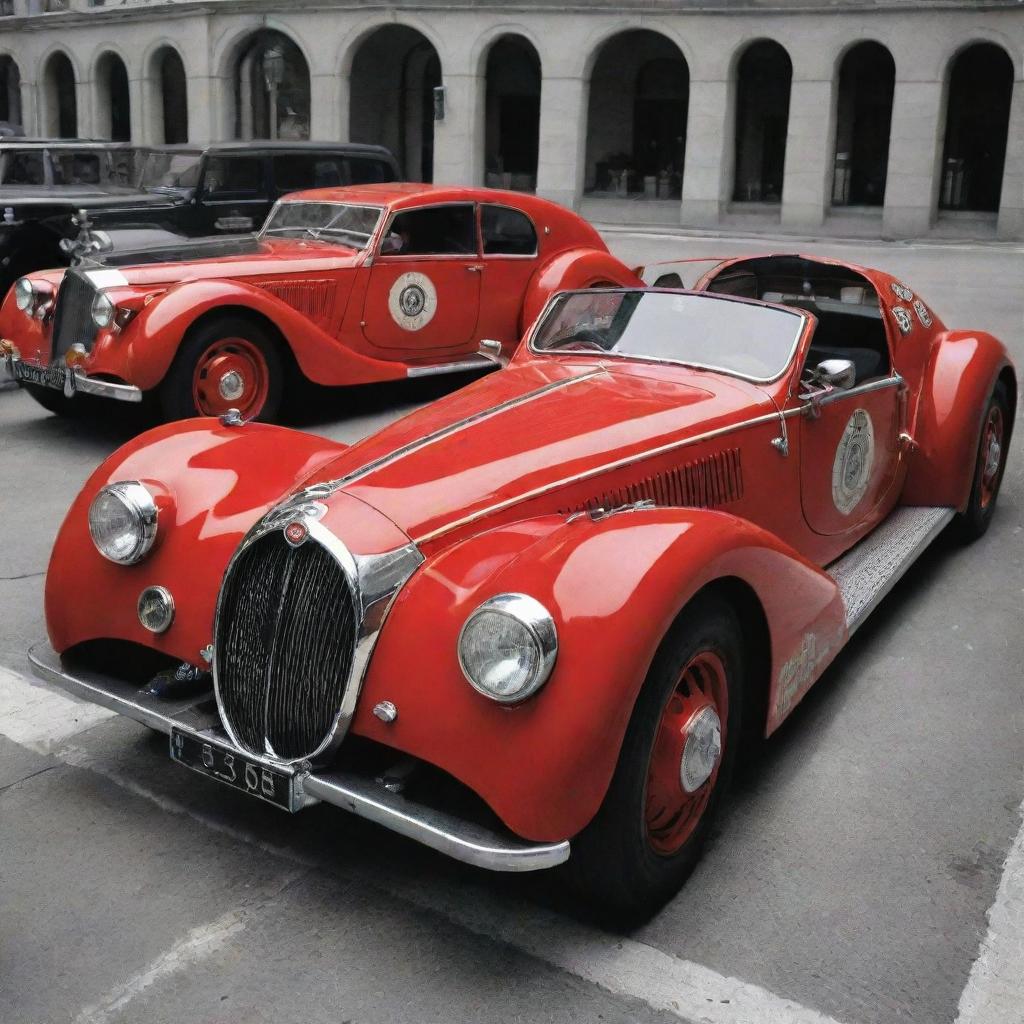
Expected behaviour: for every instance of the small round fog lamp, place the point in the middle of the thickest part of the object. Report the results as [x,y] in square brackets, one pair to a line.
[156,609]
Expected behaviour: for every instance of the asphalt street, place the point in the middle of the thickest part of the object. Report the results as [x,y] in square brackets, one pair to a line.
[849,880]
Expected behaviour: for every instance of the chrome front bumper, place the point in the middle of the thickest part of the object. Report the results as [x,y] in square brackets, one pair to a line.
[460,839]
[75,381]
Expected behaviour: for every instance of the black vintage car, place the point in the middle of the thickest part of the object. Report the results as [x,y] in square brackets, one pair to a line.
[159,194]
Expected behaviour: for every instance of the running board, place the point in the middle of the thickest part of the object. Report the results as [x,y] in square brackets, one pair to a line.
[867,572]
[460,366]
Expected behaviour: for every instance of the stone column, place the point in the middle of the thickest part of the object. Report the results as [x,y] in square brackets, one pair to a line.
[86,128]
[328,115]
[563,139]
[709,152]
[458,139]
[1011,202]
[138,119]
[30,107]
[810,146]
[915,150]
[205,105]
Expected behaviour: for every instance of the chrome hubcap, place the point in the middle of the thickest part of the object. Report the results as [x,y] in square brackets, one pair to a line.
[702,749]
[995,454]
[231,385]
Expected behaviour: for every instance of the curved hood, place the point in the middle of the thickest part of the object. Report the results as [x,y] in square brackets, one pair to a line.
[527,431]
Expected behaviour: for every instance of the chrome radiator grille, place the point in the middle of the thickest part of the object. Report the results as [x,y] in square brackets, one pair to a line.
[286,634]
[72,317]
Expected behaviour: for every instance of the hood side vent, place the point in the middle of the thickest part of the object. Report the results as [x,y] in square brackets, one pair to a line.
[703,483]
[313,298]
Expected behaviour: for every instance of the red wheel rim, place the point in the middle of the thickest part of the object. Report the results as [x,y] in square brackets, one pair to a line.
[231,374]
[990,457]
[671,813]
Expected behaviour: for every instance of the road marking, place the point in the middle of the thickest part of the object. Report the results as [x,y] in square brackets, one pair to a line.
[198,945]
[622,967]
[994,993]
[40,718]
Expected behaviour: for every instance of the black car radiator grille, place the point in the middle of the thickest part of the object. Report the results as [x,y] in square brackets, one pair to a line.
[286,636]
[72,318]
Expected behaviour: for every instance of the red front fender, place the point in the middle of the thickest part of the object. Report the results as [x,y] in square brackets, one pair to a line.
[961,373]
[212,483]
[149,343]
[613,587]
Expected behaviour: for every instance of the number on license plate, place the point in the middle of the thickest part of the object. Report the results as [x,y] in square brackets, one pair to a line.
[45,376]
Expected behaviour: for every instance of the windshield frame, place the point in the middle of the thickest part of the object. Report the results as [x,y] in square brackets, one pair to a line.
[803,318]
[264,235]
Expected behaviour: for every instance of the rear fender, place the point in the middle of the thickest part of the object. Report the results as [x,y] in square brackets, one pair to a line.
[211,483]
[614,587]
[574,268]
[151,340]
[961,372]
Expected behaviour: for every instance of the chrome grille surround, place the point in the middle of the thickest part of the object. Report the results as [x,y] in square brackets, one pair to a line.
[371,583]
[72,313]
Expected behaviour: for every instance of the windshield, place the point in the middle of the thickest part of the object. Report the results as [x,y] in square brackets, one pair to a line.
[713,333]
[170,170]
[343,223]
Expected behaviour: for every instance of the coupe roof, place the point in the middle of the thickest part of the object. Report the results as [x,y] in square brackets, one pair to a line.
[402,194]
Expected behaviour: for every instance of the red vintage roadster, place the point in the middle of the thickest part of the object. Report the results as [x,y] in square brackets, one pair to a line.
[341,286]
[536,621]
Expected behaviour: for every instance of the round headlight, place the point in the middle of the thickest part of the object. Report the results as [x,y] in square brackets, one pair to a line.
[507,647]
[24,294]
[102,310]
[122,522]
[156,609]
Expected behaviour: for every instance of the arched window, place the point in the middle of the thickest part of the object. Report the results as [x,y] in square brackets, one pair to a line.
[763,76]
[60,104]
[636,122]
[10,93]
[271,89]
[114,107]
[867,77]
[512,122]
[977,122]
[391,98]
[169,109]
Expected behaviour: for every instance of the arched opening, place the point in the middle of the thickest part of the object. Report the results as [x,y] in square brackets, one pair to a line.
[394,74]
[114,108]
[170,109]
[271,88]
[512,124]
[867,78]
[763,76]
[60,104]
[10,94]
[977,122]
[636,121]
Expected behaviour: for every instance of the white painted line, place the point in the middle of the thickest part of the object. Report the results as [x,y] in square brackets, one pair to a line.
[198,945]
[994,993]
[40,718]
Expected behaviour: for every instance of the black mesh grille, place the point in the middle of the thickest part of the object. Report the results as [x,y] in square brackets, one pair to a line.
[284,647]
[72,317]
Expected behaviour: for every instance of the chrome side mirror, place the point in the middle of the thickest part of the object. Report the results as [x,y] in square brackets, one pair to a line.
[840,374]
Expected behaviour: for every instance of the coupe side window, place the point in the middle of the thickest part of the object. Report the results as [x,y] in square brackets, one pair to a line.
[432,231]
[233,176]
[507,232]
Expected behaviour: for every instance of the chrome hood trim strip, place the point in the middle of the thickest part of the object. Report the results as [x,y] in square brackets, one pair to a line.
[328,487]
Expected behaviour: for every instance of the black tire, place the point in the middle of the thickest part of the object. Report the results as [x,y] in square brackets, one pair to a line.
[176,389]
[54,401]
[974,521]
[613,866]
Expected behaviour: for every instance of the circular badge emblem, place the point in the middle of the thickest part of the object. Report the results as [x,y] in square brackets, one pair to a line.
[855,456]
[296,533]
[412,301]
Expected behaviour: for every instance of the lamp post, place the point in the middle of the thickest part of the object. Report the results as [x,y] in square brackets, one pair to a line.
[273,76]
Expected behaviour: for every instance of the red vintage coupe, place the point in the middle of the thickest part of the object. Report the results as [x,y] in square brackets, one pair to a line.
[536,621]
[341,286]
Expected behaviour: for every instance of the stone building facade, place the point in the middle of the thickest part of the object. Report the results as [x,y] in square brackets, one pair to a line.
[892,118]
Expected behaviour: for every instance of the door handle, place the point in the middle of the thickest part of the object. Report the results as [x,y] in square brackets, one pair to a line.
[475,268]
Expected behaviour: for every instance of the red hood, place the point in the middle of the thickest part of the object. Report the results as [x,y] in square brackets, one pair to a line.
[526,429]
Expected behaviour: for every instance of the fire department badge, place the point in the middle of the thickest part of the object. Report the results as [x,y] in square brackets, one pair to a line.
[855,456]
[903,318]
[412,301]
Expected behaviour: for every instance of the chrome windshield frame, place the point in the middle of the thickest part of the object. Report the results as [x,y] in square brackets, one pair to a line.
[264,233]
[801,317]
